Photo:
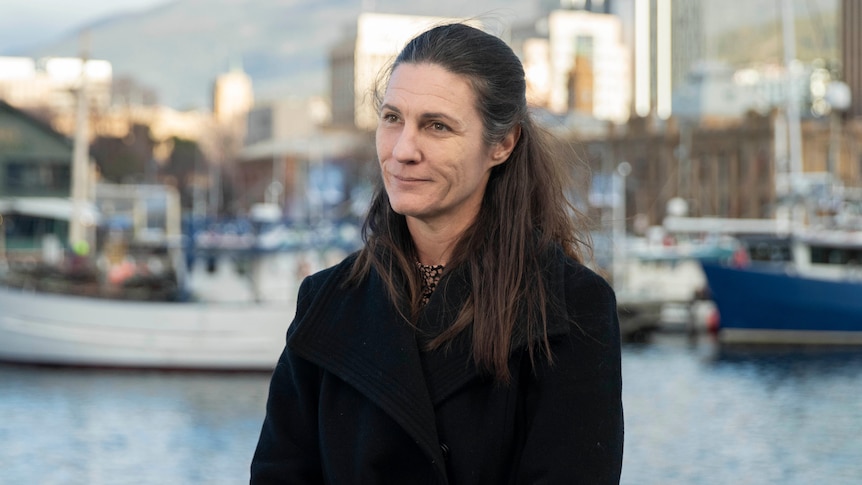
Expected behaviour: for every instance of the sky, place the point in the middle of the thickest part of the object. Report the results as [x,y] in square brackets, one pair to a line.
[28,22]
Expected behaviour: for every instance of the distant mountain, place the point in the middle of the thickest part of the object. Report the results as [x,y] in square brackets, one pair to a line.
[179,48]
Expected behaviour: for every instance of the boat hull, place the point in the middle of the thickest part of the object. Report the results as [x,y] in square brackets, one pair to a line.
[767,304]
[52,329]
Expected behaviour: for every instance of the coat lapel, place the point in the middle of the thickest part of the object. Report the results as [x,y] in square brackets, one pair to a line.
[358,335]
[450,367]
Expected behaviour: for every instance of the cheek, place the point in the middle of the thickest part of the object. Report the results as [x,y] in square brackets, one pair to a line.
[380,145]
[474,165]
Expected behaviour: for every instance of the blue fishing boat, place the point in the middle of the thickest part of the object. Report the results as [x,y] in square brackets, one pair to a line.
[814,297]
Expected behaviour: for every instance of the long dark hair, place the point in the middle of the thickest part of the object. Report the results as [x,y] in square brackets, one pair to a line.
[524,212]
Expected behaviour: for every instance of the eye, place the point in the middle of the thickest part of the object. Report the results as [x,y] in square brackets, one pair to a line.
[438,126]
[389,117]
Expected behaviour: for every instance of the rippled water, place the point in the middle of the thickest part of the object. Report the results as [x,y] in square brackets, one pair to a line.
[694,415]
[101,427]
[702,415]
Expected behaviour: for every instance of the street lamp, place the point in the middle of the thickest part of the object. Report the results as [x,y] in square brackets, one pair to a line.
[619,222]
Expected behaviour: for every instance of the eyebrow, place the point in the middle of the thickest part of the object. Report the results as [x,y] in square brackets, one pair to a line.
[425,116]
[443,116]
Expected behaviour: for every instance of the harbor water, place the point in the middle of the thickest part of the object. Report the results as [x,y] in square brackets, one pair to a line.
[695,414]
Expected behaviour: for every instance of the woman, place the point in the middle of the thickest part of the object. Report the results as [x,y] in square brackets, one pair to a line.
[465,343]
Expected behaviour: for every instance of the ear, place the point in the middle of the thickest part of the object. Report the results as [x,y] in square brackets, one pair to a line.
[500,152]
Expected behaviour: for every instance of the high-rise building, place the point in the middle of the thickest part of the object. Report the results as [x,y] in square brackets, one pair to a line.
[233,96]
[356,63]
[575,61]
[596,6]
[851,53]
[687,39]
[668,43]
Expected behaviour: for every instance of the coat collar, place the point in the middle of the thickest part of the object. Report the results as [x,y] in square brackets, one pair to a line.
[358,335]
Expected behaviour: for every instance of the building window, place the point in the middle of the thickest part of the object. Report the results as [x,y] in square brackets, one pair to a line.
[24,176]
[28,232]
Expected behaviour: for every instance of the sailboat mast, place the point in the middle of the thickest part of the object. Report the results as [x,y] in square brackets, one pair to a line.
[794,129]
[80,158]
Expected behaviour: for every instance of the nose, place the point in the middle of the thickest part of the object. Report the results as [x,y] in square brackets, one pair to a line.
[406,148]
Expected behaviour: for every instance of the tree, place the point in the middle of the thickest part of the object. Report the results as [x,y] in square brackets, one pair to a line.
[186,169]
[127,159]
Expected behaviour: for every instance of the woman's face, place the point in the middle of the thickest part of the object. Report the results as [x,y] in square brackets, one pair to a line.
[434,162]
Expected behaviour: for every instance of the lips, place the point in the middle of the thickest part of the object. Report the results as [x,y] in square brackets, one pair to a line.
[408,179]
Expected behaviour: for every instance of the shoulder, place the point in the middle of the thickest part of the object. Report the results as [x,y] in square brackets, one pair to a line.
[571,276]
[315,288]
[588,300]
[580,279]
[336,274]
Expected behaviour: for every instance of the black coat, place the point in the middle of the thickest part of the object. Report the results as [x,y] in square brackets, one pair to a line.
[354,401]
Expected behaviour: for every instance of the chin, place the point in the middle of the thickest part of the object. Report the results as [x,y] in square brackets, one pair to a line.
[406,207]
[406,211]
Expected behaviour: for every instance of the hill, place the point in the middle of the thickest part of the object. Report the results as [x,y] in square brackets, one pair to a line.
[179,48]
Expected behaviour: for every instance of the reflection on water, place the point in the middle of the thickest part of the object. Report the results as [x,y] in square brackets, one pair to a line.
[694,415]
[117,427]
[697,414]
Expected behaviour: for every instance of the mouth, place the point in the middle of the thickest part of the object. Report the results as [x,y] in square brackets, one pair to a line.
[404,178]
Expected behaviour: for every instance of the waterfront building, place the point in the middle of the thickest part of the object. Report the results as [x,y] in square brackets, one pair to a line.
[35,160]
[720,170]
[51,82]
[357,60]
[851,53]
[286,117]
[35,184]
[293,154]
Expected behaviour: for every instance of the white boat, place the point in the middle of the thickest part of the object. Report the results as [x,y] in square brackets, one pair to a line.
[45,328]
[233,313]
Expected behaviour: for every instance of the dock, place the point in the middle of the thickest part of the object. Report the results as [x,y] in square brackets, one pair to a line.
[641,317]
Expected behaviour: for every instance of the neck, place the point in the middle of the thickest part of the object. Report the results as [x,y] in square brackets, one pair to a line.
[434,244]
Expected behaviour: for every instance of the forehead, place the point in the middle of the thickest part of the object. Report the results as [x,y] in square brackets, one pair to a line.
[427,83]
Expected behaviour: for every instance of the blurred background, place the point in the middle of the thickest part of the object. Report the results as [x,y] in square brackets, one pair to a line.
[170,170]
